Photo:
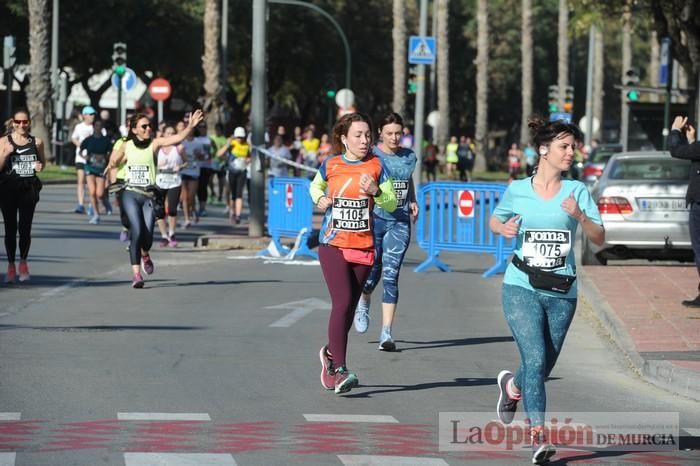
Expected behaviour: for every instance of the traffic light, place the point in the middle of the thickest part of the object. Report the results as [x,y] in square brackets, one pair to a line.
[330,93]
[569,99]
[119,58]
[631,80]
[553,98]
[8,52]
[412,80]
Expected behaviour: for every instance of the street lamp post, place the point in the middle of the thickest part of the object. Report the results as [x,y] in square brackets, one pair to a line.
[256,226]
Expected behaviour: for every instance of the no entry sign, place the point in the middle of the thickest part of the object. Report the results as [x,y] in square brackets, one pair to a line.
[160,89]
[465,203]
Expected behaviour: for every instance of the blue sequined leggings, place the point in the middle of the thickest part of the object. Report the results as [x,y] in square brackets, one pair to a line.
[539,324]
[391,240]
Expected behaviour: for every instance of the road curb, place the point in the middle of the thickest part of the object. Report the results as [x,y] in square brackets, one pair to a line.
[223,242]
[663,374]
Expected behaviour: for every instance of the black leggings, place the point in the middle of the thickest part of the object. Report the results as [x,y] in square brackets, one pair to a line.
[140,210]
[23,201]
[237,181]
[173,196]
[202,188]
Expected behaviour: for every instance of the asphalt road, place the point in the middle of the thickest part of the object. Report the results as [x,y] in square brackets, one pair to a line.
[215,362]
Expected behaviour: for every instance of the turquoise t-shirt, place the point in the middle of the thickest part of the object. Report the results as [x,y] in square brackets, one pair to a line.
[547,233]
[400,166]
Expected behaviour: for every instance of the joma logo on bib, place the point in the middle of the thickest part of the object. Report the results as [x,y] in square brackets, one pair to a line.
[350,214]
[546,249]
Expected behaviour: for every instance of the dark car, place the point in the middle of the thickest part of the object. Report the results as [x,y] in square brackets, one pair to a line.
[595,164]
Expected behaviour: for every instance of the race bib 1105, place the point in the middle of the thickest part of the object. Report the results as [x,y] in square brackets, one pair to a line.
[350,214]
[546,249]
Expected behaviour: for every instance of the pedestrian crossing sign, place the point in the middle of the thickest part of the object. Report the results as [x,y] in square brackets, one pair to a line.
[421,50]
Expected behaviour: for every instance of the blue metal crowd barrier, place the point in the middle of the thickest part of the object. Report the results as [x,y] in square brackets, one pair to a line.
[290,214]
[455,217]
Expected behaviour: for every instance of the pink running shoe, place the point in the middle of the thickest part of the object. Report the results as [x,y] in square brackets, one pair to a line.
[137,280]
[173,242]
[11,274]
[147,265]
[23,271]
[327,373]
[164,242]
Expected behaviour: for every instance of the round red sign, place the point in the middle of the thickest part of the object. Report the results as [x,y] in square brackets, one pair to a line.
[466,204]
[160,89]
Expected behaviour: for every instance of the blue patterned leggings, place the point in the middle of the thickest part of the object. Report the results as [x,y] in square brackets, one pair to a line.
[391,240]
[539,324]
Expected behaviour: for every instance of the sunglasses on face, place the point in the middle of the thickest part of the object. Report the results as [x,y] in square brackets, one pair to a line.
[145,126]
[21,122]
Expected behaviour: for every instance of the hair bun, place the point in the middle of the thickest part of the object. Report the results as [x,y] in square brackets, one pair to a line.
[536,123]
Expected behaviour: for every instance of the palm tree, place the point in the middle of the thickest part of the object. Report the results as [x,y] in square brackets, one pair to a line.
[598,75]
[526,78]
[443,73]
[563,52]
[482,84]
[39,88]
[398,35]
[211,65]
[626,50]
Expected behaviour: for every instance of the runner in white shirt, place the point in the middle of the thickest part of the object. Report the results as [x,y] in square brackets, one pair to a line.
[81,131]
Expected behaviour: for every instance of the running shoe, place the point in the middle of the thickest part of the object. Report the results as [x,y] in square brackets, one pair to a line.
[386,343]
[124,236]
[23,271]
[90,211]
[172,242]
[238,219]
[542,450]
[164,242]
[11,274]
[362,316]
[203,212]
[79,209]
[186,225]
[327,374]
[137,280]
[147,265]
[94,220]
[344,381]
[506,406]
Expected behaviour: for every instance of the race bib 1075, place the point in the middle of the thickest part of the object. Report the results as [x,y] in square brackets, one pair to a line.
[350,214]
[546,249]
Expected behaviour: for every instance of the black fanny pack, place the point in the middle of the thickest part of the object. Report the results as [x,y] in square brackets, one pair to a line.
[543,280]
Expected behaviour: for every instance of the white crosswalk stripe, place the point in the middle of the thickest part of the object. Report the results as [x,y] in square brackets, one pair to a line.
[178,459]
[349,418]
[163,417]
[378,460]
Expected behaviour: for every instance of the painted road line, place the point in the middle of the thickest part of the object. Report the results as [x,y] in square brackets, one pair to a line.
[378,460]
[299,310]
[350,418]
[7,459]
[10,416]
[692,432]
[178,459]
[163,417]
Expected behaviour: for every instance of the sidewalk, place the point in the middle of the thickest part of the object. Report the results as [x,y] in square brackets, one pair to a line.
[640,306]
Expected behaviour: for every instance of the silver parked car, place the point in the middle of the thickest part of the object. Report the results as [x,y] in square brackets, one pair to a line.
[641,198]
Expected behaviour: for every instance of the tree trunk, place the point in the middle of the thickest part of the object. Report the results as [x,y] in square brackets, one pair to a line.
[482,85]
[211,65]
[626,52]
[39,89]
[654,65]
[398,34]
[563,53]
[443,72]
[598,75]
[526,78]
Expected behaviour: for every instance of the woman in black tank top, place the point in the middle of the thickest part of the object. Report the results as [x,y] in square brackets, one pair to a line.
[21,157]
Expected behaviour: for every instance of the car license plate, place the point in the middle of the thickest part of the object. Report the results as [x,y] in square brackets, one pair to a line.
[662,204]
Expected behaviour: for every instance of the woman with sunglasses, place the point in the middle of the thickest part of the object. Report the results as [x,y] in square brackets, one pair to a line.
[138,198]
[21,157]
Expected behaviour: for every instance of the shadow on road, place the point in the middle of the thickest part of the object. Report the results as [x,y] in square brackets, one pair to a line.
[457,383]
[102,328]
[211,282]
[448,343]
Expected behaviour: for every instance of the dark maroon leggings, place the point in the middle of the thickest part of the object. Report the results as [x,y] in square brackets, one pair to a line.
[345,281]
